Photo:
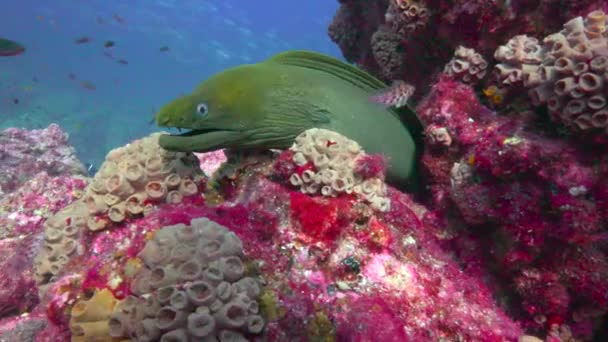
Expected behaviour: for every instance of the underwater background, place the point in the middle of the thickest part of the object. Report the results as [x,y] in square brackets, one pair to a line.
[502,236]
[104,96]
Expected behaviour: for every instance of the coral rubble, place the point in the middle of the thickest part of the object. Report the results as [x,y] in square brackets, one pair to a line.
[23,154]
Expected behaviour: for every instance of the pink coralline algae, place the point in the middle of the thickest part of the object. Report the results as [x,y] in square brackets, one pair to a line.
[535,205]
[25,153]
[23,211]
[22,214]
[524,206]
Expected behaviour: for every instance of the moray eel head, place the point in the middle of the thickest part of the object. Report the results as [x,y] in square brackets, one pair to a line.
[213,114]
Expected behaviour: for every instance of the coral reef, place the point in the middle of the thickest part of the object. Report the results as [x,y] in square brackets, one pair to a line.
[412,40]
[32,327]
[328,267]
[567,72]
[514,167]
[507,239]
[534,204]
[131,182]
[23,154]
[24,210]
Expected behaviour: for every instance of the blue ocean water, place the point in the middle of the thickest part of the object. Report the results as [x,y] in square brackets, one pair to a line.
[53,80]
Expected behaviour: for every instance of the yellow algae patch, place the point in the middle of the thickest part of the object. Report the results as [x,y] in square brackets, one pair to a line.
[321,329]
[132,267]
[89,317]
[269,306]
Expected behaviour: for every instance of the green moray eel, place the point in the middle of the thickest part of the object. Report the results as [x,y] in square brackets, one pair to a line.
[266,105]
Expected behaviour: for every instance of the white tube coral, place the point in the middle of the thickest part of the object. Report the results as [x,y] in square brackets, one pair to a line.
[174,197]
[201,324]
[118,185]
[117,213]
[573,71]
[190,270]
[232,267]
[163,276]
[467,66]
[181,296]
[135,174]
[599,119]
[334,158]
[187,187]
[233,315]
[156,190]
[135,204]
[168,318]
[200,292]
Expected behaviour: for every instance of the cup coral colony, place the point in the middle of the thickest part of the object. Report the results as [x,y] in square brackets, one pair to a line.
[504,239]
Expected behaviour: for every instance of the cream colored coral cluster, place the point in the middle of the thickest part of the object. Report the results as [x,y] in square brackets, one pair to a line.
[130,183]
[136,177]
[467,66]
[61,241]
[568,72]
[193,287]
[407,16]
[334,158]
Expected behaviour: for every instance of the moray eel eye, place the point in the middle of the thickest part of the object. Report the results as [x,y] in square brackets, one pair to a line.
[202,110]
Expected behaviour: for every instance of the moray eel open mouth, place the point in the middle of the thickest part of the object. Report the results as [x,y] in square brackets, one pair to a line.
[200,140]
[190,132]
